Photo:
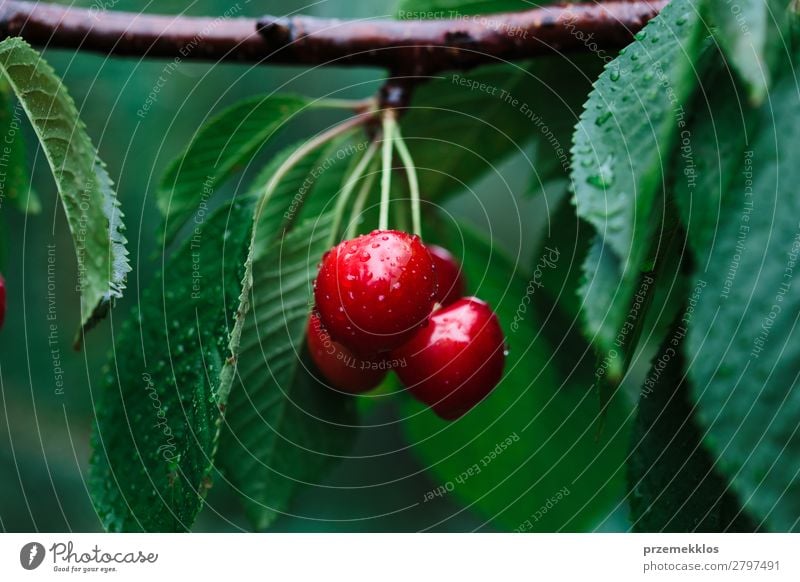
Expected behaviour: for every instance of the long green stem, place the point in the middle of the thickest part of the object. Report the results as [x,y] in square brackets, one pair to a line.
[413,182]
[361,200]
[389,125]
[351,104]
[350,185]
[295,157]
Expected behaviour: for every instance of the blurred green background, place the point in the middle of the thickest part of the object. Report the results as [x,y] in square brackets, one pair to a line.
[44,434]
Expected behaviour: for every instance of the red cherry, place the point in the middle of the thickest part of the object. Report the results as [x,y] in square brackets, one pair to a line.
[2,300]
[373,292]
[454,362]
[343,369]
[448,275]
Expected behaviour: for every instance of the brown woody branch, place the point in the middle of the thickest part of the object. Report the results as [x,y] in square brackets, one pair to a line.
[401,46]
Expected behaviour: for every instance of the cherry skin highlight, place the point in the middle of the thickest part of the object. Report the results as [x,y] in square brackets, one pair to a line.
[375,291]
[450,281]
[339,366]
[454,362]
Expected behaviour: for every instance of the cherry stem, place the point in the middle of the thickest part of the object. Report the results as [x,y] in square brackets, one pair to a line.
[361,200]
[413,182]
[350,185]
[295,157]
[389,126]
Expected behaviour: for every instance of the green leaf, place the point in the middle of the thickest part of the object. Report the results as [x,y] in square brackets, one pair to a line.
[86,191]
[15,180]
[560,471]
[627,133]
[618,313]
[218,149]
[494,112]
[749,33]
[710,157]
[673,484]
[744,343]
[158,419]
[461,126]
[292,202]
[285,426]
[629,128]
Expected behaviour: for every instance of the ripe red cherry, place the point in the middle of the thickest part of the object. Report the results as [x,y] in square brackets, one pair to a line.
[343,369]
[448,275]
[2,301]
[373,292]
[454,362]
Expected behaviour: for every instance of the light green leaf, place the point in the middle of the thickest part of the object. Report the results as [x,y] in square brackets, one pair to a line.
[86,190]
[560,471]
[744,345]
[158,415]
[219,148]
[629,128]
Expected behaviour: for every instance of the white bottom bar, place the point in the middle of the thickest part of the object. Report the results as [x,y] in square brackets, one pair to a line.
[400,557]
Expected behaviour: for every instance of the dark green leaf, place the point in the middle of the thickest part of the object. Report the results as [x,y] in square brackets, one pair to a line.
[285,427]
[83,183]
[673,484]
[749,33]
[744,345]
[219,148]
[462,125]
[557,473]
[158,417]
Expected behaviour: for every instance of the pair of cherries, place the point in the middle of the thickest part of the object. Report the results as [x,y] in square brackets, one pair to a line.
[384,301]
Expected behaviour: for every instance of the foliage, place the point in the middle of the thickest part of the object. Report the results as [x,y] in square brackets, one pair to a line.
[83,183]
[663,290]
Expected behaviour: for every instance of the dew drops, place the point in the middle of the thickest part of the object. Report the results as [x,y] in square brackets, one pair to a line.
[614,75]
[602,119]
[641,35]
[604,178]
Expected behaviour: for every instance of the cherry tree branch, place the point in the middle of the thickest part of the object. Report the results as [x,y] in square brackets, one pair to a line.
[401,46]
